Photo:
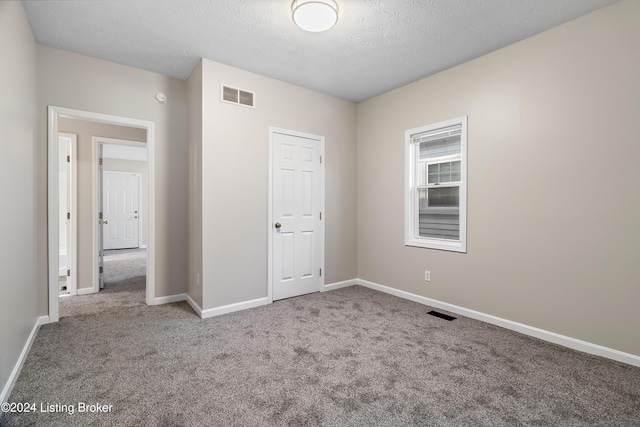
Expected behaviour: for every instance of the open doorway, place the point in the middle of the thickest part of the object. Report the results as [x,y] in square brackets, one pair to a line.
[121,195]
[89,221]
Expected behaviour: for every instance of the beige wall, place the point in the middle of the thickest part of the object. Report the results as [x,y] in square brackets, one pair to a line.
[553,202]
[18,238]
[194,93]
[75,81]
[85,131]
[235,146]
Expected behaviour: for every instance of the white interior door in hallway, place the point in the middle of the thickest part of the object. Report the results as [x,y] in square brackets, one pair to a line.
[121,210]
[297,199]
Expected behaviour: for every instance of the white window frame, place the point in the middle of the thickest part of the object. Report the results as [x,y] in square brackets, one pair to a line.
[411,208]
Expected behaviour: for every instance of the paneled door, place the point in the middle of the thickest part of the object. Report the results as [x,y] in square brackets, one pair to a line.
[297,202]
[121,206]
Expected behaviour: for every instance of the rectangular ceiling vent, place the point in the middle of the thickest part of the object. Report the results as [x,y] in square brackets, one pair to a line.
[237,96]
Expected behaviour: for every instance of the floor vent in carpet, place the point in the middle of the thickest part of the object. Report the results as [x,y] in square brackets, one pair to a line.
[441,315]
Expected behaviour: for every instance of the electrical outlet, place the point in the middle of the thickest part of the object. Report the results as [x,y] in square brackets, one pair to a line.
[427,275]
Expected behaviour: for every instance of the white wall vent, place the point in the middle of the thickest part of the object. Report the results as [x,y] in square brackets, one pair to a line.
[237,96]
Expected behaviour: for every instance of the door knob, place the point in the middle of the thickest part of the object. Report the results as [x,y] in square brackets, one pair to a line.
[105,222]
[278,225]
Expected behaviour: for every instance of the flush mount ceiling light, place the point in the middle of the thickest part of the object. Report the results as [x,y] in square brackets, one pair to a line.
[315,15]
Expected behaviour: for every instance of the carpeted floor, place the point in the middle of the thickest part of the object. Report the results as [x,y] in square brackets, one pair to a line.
[124,285]
[349,357]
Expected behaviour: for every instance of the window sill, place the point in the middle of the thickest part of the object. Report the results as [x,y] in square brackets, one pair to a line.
[438,244]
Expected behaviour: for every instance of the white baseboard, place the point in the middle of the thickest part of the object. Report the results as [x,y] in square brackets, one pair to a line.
[194,305]
[217,311]
[85,291]
[338,285]
[169,299]
[143,246]
[6,391]
[542,334]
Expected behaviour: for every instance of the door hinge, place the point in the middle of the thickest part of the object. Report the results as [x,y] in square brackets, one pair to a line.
[68,273]
[101,270]
[320,159]
[100,162]
[68,215]
[320,272]
[68,159]
[320,216]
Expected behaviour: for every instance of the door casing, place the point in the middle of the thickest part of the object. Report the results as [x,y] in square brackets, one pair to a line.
[320,139]
[72,226]
[98,143]
[54,113]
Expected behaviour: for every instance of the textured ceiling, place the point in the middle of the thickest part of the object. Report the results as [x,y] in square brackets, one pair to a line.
[376,46]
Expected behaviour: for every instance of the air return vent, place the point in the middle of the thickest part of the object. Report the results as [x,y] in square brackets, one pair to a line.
[441,315]
[237,96]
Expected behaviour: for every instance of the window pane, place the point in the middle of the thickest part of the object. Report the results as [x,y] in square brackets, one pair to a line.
[440,225]
[455,171]
[439,215]
[445,172]
[433,173]
[443,197]
[423,201]
[440,147]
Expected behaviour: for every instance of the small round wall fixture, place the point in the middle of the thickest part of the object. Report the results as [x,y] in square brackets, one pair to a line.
[315,15]
[161,98]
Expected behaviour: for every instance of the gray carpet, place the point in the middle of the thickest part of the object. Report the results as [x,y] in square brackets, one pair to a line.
[124,285]
[349,357]
[123,264]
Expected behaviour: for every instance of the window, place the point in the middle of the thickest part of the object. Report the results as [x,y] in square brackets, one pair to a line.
[436,186]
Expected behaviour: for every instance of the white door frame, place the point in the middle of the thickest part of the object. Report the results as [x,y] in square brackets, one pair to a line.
[272,131]
[72,243]
[52,216]
[96,154]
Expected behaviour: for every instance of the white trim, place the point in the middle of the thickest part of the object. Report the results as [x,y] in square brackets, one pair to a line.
[411,218]
[169,299]
[72,245]
[96,141]
[225,309]
[75,219]
[52,215]
[270,221]
[338,285]
[194,305]
[86,291]
[321,141]
[8,387]
[53,239]
[143,246]
[542,334]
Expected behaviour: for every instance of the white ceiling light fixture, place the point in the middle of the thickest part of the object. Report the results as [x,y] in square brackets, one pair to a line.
[315,15]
